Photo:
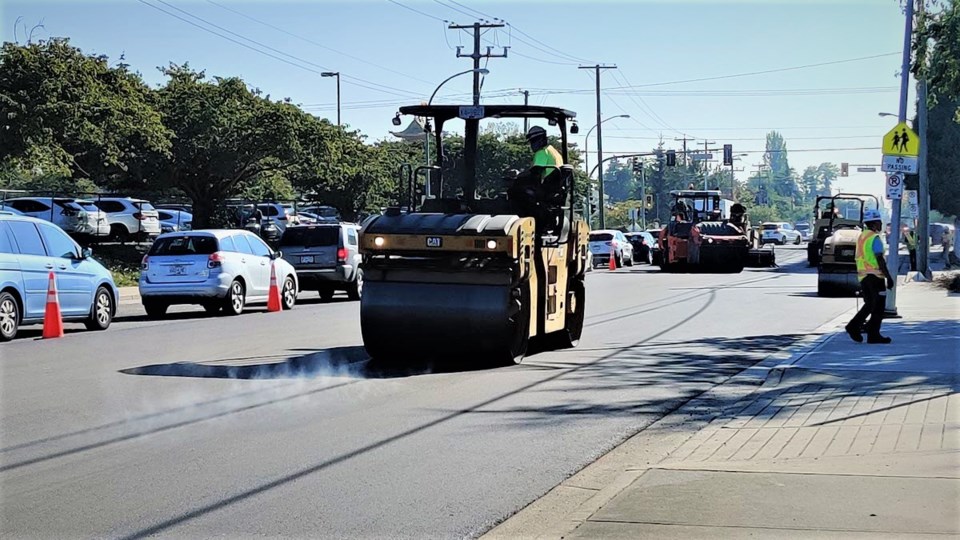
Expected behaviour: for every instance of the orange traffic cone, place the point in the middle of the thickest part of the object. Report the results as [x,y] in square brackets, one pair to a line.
[52,321]
[273,298]
[613,258]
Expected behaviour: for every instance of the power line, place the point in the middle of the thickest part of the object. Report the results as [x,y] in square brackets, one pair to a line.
[312,42]
[404,6]
[458,10]
[299,61]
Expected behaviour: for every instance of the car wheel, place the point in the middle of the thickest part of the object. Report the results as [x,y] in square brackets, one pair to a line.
[101,313]
[630,260]
[9,316]
[355,289]
[326,294]
[155,309]
[288,295]
[783,240]
[798,240]
[236,298]
[119,233]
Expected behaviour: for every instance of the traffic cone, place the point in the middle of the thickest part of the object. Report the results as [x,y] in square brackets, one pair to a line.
[613,258]
[52,321]
[273,298]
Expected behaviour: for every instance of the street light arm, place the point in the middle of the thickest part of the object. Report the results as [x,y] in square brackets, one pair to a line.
[437,89]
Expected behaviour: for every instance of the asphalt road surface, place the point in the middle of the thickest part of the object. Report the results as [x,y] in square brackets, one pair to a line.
[276,424]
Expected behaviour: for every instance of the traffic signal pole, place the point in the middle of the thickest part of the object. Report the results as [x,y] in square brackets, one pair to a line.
[600,202]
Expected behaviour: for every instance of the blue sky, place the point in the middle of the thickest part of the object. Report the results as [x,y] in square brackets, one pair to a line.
[391,55]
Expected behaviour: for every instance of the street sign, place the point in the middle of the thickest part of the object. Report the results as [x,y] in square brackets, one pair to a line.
[895,186]
[701,157]
[901,141]
[912,209]
[900,164]
[475,112]
[866,169]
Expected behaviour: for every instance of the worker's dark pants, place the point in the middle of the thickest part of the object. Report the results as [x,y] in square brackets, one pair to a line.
[913,260]
[873,290]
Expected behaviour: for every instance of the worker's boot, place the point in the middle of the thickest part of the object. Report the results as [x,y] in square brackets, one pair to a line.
[878,339]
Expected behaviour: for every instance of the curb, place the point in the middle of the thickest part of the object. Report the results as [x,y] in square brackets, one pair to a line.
[569,504]
[129,296]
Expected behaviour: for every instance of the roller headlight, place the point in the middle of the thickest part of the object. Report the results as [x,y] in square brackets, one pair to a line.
[491,244]
[378,241]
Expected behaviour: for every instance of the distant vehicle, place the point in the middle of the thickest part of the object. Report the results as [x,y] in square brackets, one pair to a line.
[805,231]
[174,220]
[30,249]
[74,216]
[9,210]
[130,218]
[656,254]
[779,233]
[217,269]
[309,218]
[642,243]
[326,257]
[180,207]
[328,213]
[602,242]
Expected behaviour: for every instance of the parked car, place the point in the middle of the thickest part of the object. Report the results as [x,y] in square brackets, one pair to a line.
[174,220]
[602,242]
[326,256]
[328,213]
[31,248]
[217,269]
[75,216]
[655,252]
[130,218]
[11,211]
[642,243]
[779,233]
[180,207]
[804,230]
[279,213]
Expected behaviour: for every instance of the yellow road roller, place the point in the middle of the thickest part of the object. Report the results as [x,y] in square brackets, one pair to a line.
[450,273]
[838,225]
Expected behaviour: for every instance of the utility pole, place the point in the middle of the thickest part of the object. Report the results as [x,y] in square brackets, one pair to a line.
[472,127]
[706,162]
[526,101]
[893,259]
[596,68]
[685,165]
[922,231]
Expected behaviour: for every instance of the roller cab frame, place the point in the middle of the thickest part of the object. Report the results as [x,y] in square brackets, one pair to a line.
[448,274]
[700,237]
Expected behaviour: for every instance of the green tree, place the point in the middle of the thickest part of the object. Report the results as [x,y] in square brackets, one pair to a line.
[71,115]
[225,137]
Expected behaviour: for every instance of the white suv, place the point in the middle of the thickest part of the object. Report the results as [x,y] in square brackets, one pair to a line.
[130,218]
[779,233]
[75,216]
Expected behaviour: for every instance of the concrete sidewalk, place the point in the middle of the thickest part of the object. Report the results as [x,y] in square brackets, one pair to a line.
[129,296]
[841,440]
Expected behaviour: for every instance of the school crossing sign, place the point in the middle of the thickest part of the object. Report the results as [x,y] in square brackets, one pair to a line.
[901,146]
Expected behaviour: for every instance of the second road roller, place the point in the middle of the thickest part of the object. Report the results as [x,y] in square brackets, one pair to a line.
[460,269]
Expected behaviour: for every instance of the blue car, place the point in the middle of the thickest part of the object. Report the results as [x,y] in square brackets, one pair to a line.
[30,249]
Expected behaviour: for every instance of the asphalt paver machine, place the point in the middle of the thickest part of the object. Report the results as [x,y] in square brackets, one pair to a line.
[449,274]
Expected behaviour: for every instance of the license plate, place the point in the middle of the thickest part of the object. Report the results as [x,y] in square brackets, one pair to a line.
[306,259]
[178,270]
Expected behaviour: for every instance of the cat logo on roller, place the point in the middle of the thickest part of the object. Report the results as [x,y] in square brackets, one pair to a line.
[448,273]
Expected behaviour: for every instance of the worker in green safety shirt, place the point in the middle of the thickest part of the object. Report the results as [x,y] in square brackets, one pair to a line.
[874,281]
[544,155]
[910,237]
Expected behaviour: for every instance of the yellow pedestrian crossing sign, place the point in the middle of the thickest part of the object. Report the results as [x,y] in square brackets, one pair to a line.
[901,141]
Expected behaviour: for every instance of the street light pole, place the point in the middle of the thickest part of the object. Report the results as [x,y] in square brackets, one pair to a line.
[337,75]
[426,126]
[586,158]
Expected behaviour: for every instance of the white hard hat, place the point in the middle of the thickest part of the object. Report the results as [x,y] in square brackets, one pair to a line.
[871,215]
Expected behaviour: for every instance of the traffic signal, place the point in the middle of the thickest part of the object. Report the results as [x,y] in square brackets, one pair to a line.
[636,166]
[671,158]
[844,169]
[649,202]
[728,154]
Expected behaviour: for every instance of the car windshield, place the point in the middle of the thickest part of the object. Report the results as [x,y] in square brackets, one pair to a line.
[770,226]
[803,226]
[600,237]
[184,245]
[145,206]
[310,236]
[88,206]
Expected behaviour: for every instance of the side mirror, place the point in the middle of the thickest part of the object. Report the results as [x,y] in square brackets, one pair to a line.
[276,255]
[86,253]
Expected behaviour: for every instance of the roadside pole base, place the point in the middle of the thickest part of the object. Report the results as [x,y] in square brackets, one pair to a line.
[891,314]
[915,276]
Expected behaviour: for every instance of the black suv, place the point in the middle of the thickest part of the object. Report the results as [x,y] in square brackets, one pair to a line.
[326,256]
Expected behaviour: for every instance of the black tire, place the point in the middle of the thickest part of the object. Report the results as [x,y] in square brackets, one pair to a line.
[326,294]
[155,309]
[119,232]
[629,260]
[569,337]
[102,310]
[236,298]
[355,288]
[799,240]
[288,293]
[9,316]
